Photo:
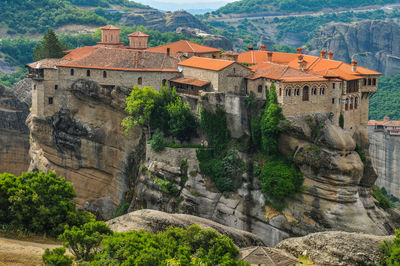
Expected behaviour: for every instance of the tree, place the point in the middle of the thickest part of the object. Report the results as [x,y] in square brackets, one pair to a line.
[139,105]
[50,47]
[269,124]
[56,257]
[84,241]
[182,123]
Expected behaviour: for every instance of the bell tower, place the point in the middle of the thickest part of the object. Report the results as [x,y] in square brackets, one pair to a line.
[110,36]
[138,40]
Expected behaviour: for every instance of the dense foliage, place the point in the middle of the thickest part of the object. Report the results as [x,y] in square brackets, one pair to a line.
[221,164]
[56,257]
[50,47]
[175,246]
[108,3]
[38,203]
[293,6]
[390,251]
[386,102]
[163,110]
[84,241]
[382,198]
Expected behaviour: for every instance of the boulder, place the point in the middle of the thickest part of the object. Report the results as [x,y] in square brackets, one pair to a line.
[336,248]
[157,221]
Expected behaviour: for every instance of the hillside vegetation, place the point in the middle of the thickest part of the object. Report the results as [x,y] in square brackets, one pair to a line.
[386,102]
[294,6]
[36,16]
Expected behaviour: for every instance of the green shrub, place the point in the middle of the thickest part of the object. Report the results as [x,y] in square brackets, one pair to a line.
[39,203]
[341,121]
[157,143]
[280,179]
[361,153]
[192,246]
[56,257]
[84,241]
[382,199]
[255,125]
[182,123]
[214,124]
[167,186]
[122,209]
[390,251]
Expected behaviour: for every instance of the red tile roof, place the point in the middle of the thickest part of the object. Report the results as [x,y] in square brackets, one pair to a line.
[206,63]
[191,81]
[314,65]
[184,47]
[110,27]
[138,34]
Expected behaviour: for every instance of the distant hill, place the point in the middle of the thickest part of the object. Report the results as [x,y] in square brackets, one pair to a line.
[294,6]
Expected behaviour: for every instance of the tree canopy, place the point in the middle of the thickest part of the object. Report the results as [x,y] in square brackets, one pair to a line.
[50,47]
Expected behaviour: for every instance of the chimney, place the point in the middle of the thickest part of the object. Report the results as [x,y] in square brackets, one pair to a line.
[301,62]
[299,50]
[263,47]
[269,56]
[250,48]
[323,54]
[168,51]
[330,55]
[354,65]
[386,119]
[138,40]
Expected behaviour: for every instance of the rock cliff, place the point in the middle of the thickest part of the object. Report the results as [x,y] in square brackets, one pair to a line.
[14,134]
[385,154]
[336,248]
[85,142]
[375,44]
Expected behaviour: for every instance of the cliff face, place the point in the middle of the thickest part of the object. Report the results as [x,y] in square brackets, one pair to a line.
[336,195]
[14,134]
[85,142]
[385,154]
[375,44]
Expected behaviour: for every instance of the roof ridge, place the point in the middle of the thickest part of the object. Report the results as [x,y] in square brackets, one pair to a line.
[284,71]
[189,45]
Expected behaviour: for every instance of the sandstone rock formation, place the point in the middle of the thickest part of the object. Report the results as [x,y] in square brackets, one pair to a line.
[336,248]
[385,154]
[375,44]
[211,40]
[14,134]
[157,221]
[86,143]
[336,196]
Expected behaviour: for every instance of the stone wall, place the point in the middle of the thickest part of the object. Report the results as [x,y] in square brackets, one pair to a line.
[385,154]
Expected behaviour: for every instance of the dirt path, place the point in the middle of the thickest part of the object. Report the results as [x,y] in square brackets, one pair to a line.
[18,252]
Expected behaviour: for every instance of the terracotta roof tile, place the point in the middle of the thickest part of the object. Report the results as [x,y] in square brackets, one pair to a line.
[110,27]
[184,47]
[50,63]
[191,81]
[392,124]
[121,59]
[138,34]
[206,63]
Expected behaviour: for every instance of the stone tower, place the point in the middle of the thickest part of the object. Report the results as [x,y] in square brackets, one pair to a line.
[138,40]
[110,36]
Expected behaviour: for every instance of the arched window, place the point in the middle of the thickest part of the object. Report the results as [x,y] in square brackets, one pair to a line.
[104,74]
[322,91]
[140,81]
[290,92]
[351,103]
[72,72]
[346,106]
[356,103]
[280,91]
[88,73]
[259,89]
[305,93]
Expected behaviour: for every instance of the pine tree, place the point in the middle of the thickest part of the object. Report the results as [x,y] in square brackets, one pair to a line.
[50,47]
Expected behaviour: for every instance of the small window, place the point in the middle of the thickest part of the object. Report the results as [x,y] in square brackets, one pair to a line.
[104,74]
[280,91]
[55,87]
[51,100]
[374,81]
[365,82]
[88,73]
[234,70]
[369,82]
[164,83]
[333,100]
[333,85]
[140,81]
[72,72]
[260,89]
[34,87]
